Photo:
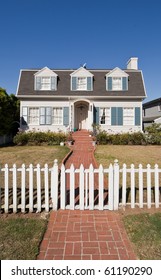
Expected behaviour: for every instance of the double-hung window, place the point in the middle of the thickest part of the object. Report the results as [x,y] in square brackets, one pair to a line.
[45,83]
[33,115]
[57,116]
[128,116]
[105,116]
[45,115]
[81,83]
[116,83]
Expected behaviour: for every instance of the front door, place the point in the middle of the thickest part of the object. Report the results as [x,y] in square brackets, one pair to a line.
[81,117]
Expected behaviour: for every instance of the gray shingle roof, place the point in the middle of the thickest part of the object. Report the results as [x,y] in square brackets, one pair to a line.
[135,85]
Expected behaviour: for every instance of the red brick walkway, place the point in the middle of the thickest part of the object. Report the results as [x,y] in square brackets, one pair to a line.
[82,235]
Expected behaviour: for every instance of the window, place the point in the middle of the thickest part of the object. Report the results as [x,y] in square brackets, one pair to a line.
[81,83]
[24,115]
[33,117]
[57,116]
[45,83]
[116,84]
[45,115]
[128,116]
[105,116]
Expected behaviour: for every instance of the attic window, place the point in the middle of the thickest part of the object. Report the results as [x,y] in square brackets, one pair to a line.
[117,83]
[45,83]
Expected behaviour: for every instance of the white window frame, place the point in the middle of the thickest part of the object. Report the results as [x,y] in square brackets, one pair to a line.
[78,85]
[49,83]
[107,117]
[34,116]
[60,115]
[128,118]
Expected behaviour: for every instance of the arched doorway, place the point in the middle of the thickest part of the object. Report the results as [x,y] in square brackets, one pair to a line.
[81,109]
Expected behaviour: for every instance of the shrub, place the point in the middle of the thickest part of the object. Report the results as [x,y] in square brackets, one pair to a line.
[136,138]
[39,138]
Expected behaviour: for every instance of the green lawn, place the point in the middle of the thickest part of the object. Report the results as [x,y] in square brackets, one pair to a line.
[20,237]
[144,231]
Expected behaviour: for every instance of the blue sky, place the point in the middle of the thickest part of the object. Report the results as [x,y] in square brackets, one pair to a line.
[66,34]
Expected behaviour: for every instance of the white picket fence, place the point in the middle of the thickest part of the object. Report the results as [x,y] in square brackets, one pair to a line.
[36,188]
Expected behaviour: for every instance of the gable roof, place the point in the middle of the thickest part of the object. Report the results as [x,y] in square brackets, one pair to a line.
[45,72]
[135,85]
[81,72]
[117,72]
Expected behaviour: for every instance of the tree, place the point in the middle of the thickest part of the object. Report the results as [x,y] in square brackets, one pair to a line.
[9,113]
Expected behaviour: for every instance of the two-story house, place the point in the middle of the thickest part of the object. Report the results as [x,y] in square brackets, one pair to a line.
[59,99]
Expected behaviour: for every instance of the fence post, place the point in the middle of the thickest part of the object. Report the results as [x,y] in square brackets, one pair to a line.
[116,184]
[54,185]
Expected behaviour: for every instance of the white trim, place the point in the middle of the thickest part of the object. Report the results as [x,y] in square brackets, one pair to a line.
[117,73]
[81,72]
[18,82]
[48,71]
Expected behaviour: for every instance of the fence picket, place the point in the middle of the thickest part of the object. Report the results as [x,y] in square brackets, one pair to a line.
[101,187]
[132,186]
[23,185]
[148,186]
[124,178]
[46,174]
[62,188]
[6,203]
[110,188]
[91,187]
[38,177]
[81,187]
[72,187]
[31,170]
[116,185]
[14,188]
[156,186]
[140,186]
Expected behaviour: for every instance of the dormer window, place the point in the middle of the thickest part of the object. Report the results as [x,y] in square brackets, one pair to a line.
[46,79]
[117,80]
[81,83]
[81,79]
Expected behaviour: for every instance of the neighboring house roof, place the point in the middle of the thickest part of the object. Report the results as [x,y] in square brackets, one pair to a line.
[135,85]
[152,103]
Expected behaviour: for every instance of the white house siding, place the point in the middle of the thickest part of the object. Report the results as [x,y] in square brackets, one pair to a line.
[54,128]
[109,128]
[121,128]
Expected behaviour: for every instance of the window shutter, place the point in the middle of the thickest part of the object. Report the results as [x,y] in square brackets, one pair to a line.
[38,83]
[53,83]
[89,83]
[96,115]
[74,83]
[113,116]
[66,116]
[109,86]
[124,83]
[42,115]
[48,115]
[120,116]
[137,116]
[24,118]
